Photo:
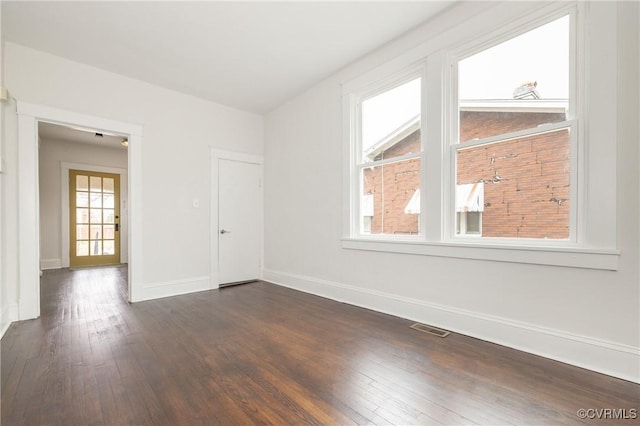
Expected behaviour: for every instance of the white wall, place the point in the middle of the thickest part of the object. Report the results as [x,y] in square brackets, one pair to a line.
[585,317]
[52,155]
[177,133]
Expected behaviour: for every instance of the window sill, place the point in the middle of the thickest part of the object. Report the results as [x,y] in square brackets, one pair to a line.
[573,257]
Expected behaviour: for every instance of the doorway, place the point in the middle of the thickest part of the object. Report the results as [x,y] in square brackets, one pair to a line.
[82,197]
[236,218]
[29,117]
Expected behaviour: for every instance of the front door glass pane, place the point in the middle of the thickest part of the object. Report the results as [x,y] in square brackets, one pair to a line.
[96,247]
[82,215]
[82,183]
[96,183]
[108,247]
[107,201]
[82,199]
[109,216]
[82,232]
[96,216]
[82,248]
[95,199]
[109,232]
[108,185]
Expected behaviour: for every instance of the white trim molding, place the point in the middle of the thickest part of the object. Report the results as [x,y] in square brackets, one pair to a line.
[50,264]
[29,220]
[554,256]
[162,289]
[9,315]
[611,358]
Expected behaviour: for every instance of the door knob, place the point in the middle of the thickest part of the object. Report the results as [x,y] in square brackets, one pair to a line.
[224,231]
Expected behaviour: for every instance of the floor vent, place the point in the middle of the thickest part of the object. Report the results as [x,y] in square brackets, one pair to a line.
[431,330]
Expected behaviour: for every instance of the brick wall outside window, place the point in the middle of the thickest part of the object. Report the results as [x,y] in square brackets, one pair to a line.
[526,180]
[394,183]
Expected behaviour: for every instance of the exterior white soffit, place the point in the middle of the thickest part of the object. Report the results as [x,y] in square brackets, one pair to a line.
[394,137]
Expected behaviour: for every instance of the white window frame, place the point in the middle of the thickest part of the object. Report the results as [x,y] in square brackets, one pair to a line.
[593,239]
[406,75]
[572,123]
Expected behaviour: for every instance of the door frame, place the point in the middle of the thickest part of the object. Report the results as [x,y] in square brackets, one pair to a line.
[29,115]
[215,155]
[124,217]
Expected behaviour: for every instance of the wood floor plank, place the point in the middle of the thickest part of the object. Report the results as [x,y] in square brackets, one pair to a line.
[264,354]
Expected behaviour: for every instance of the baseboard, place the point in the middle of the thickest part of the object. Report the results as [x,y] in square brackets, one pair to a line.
[159,290]
[50,264]
[9,314]
[613,359]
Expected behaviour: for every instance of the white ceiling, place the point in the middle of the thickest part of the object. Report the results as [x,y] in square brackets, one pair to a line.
[249,55]
[48,131]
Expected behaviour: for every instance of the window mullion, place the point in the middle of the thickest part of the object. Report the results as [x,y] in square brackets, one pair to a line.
[391,160]
[543,128]
[433,171]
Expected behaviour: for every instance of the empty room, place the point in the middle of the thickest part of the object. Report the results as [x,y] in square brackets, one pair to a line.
[330,213]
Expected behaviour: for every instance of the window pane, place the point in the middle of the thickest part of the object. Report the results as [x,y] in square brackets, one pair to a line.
[82,232]
[95,198]
[108,185]
[516,85]
[96,232]
[473,222]
[82,183]
[108,247]
[107,201]
[109,232]
[96,216]
[391,123]
[96,184]
[95,247]
[82,248]
[109,216]
[391,198]
[82,199]
[82,215]
[525,186]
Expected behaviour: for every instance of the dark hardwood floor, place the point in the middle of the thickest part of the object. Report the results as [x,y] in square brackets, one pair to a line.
[260,353]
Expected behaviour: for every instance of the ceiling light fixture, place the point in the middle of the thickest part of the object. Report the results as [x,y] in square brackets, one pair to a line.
[124,143]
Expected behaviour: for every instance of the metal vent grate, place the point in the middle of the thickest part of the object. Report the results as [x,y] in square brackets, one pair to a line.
[431,330]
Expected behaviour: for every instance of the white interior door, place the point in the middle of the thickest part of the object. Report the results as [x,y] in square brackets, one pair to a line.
[239,220]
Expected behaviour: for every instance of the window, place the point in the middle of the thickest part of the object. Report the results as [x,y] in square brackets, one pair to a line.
[469,223]
[469,207]
[366,208]
[389,151]
[516,133]
[474,143]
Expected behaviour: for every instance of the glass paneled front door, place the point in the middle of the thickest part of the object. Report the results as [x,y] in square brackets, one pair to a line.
[94,213]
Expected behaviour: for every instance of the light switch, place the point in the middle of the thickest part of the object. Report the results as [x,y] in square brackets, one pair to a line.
[196,203]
